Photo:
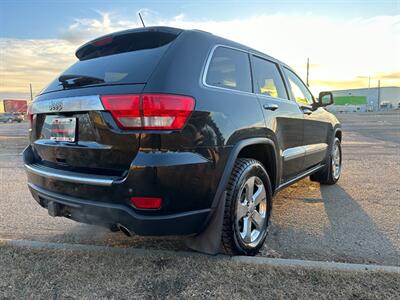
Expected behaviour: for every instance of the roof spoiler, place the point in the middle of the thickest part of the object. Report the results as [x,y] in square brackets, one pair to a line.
[105,39]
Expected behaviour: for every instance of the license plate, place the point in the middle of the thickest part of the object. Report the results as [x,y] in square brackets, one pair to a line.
[63,129]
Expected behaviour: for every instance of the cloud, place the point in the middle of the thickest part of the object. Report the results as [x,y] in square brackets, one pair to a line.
[32,61]
[389,76]
[341,51]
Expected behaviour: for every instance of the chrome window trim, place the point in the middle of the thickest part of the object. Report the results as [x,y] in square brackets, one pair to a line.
[67,104]
[208,61]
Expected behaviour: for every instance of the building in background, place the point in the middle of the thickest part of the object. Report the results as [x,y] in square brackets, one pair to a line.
[366,99]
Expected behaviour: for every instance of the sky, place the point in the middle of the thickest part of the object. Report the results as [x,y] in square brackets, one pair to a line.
[349,43]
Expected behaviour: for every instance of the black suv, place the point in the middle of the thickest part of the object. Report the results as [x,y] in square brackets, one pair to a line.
[163,131]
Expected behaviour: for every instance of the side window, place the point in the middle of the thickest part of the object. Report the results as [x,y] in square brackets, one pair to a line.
[267,78]
[299,90]
[229,69]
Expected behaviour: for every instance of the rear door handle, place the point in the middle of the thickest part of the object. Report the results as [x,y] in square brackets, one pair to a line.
[271,106]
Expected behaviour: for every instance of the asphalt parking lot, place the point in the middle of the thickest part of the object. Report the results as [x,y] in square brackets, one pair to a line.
[357,220]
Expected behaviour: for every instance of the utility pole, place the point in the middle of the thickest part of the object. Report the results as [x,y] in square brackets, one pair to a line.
[30,87]
[369,82]
[308,70]
[379,95]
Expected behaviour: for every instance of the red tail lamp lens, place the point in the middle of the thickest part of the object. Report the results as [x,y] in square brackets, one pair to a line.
[166,111]
[124,109]
[146,203]
[103,42]
[30,120]
[149,111]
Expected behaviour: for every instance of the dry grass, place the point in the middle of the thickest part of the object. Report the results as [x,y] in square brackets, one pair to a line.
[57,274]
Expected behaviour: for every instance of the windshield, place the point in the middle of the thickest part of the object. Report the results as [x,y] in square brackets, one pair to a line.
[119,62]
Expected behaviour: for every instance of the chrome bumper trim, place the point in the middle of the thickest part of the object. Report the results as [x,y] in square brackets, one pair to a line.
[68,176]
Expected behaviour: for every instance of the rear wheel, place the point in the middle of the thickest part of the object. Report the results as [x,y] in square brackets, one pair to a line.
[247,208]
[331,173]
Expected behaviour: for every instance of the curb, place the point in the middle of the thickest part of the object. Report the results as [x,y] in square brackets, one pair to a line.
[274,262]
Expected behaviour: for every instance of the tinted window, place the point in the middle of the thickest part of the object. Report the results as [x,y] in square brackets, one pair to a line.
[267,78]
[119,62]
[229,69]
[124,43]
[300,92]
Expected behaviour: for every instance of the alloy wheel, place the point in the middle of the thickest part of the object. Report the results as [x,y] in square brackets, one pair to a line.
[336,161]
[251,211]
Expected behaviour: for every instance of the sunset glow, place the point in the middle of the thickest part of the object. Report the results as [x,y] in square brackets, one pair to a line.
[349,53]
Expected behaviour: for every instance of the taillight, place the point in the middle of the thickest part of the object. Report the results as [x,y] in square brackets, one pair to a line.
[125,110]
[30,116]
[149,111]
[166,111]
[103,42]
[30,120]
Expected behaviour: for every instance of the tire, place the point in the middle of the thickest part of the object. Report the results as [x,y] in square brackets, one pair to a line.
[241,215]
[331,174]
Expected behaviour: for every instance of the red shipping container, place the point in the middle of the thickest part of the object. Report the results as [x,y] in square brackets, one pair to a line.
[20,106]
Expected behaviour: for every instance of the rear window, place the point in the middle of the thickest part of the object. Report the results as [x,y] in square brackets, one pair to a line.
[230,69]
[124,59]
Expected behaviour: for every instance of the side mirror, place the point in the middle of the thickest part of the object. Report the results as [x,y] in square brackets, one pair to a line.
[325,99]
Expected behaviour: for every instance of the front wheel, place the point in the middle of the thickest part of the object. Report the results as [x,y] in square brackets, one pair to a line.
[247,208]
[331,173]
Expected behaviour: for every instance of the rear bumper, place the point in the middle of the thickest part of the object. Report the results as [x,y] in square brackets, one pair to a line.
[109,214]
[183,180]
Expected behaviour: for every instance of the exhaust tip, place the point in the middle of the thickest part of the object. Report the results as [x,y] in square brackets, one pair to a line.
[124,230]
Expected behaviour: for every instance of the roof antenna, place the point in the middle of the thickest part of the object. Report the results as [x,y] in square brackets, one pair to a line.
[141,19]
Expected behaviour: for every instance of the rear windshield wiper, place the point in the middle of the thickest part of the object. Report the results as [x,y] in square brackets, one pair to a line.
[78,80]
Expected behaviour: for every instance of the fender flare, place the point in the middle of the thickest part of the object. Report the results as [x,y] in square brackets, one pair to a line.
[336,129]
[231,162]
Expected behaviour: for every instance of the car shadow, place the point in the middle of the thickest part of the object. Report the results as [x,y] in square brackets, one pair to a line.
[347,232]
[96,235]
[350,222]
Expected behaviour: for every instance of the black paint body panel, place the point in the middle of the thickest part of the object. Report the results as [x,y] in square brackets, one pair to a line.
[186,168]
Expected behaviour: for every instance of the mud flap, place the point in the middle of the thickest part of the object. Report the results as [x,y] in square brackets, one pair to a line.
[209,240]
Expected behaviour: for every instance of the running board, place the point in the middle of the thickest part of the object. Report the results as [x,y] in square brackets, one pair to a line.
[301,176]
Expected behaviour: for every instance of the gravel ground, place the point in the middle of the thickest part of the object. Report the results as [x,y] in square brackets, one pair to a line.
[55,274]
[357,220]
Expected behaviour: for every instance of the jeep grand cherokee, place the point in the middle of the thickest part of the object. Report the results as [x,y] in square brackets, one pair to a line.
[159,131]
